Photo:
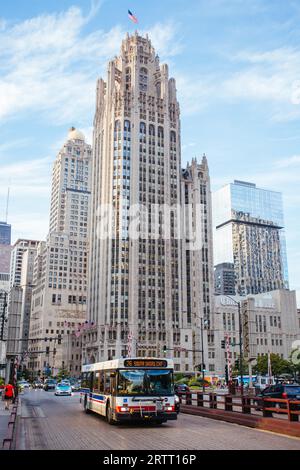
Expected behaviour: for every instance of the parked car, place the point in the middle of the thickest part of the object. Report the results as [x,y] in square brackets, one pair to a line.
[49,384]
[287,391]
[75,386]
[63,388]
[177,404]
[181,388]
[23,384]
[37,384]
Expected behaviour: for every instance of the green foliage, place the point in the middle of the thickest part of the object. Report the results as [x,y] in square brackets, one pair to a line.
[2,382]
[197,383]
[184,380]
[178,376]
[236,367]
[279,365]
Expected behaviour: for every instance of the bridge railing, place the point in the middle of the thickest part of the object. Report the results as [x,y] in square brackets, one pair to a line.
[246,404]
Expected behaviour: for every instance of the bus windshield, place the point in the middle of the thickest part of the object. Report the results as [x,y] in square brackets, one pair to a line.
[145,382]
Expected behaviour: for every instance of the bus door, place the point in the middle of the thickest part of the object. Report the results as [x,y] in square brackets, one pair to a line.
[113,388]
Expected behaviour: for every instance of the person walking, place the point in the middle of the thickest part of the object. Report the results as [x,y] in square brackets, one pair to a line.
[9,394]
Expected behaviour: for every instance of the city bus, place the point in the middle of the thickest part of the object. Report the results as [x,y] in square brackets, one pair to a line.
[125,390]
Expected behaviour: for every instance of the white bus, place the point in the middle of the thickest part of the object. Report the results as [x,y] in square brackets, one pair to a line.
[129,389]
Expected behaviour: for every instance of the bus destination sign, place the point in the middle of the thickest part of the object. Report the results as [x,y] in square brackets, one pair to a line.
[145,363]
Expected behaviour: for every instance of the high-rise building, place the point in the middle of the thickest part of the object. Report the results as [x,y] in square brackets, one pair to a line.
[225,279]
[249,232]
[5,233]
[17,252]
[19,298]
[60,269]
[136,272]
[197,262]
[5,253]
[269,324]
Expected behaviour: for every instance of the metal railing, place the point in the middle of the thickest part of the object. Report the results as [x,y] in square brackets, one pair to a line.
[244,404]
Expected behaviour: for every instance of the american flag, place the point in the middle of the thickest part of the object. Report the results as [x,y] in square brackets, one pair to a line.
[132,17]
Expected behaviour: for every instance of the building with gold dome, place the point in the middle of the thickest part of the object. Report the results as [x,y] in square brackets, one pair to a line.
[60,272]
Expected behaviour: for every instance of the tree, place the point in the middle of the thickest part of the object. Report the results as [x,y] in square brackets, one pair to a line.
[236,367]
[278,365]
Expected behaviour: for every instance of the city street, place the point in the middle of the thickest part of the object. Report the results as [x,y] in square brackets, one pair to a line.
[50,422]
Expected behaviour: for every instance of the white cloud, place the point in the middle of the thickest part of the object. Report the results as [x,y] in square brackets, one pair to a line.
[261,76]
[288,162]
[26,177]
[51,64]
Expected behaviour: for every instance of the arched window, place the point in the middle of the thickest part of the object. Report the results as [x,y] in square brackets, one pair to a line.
[128,78]
[117,126]
[143,79]
[173,137]
[160,132]
[142,128]
[151,130]
[127,126]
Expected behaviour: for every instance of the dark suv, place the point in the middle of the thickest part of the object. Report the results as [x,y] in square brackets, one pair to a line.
[290,392]
[49,384]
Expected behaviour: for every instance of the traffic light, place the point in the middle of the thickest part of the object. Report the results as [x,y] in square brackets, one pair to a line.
[59,339]
[47,350]
[165,349]
[46,339]
[223,344]
[54,351]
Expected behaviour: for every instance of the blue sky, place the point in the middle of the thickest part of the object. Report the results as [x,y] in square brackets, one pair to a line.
[237,67]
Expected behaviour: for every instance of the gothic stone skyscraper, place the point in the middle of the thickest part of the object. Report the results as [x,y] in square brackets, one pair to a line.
[135,276]
[134,282]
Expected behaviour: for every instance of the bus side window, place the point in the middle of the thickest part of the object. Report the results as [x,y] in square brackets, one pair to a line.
[101,382]
[96,382]
[90,380]
[83,380]
[107,382]
[113,383]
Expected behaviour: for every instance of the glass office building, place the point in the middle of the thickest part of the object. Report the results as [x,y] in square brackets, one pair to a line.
[263,207]
[5,233]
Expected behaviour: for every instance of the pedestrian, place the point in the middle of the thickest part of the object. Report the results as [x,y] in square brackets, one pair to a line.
[9,394]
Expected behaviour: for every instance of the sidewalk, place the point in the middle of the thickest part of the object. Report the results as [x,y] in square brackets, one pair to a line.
[4,418]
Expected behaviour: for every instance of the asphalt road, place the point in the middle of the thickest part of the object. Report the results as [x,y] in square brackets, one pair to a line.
[59,423]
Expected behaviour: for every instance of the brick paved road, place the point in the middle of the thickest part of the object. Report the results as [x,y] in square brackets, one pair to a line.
[49,422]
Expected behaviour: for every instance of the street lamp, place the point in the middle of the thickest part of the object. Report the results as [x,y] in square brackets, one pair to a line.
[202,352]
[240,340]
